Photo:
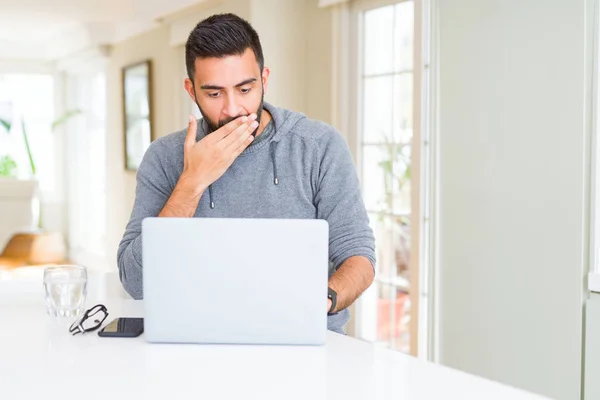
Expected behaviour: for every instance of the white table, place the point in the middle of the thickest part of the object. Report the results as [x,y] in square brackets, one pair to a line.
[39,359]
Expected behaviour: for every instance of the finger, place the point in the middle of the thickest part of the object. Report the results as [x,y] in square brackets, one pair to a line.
[228,140]
[190,137]
[229,128]
[241,139]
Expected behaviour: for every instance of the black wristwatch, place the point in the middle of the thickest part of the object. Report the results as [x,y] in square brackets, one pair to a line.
[332,295]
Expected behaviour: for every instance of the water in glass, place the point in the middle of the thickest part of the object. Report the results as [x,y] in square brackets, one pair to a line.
[66,289]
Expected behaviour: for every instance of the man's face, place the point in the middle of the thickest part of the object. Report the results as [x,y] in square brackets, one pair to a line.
[228,88]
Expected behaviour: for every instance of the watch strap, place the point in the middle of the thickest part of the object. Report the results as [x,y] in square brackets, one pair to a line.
[332,295]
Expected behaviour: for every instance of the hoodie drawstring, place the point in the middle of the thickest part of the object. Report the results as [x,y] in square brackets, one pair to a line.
[274,161]
[275,179]
[210,196]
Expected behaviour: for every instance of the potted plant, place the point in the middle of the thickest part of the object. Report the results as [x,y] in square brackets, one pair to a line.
[395,167]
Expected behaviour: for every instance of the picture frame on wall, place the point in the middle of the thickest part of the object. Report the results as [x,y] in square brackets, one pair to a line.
[137,112]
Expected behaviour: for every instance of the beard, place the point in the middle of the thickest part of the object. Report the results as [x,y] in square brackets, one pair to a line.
[212,126]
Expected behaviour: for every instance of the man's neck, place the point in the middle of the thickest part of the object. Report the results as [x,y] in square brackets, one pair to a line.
[265,118]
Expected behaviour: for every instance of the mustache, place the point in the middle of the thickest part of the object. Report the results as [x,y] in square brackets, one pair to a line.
[225,121]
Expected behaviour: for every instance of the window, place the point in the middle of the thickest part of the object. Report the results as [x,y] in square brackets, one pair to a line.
[385,132]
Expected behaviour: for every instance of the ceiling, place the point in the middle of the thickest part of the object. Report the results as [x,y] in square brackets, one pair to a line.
[44,29]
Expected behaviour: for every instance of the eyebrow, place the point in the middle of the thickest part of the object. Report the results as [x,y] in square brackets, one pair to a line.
[214,87]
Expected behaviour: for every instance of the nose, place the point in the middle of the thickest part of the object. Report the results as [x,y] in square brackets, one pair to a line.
[231,107]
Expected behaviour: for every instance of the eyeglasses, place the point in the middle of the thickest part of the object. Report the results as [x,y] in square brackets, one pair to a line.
[91,320]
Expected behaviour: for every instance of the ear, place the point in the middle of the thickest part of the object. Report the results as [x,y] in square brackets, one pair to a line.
[265,78]
[189,87]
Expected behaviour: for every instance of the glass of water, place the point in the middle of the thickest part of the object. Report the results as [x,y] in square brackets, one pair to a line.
[65,287]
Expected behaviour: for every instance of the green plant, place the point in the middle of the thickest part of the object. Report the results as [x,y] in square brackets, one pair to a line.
[396,169]
[5,124]
[8,165]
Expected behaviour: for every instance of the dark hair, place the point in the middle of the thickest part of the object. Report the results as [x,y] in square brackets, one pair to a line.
[219,36]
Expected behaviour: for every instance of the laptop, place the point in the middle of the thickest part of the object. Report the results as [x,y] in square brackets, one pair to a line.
[235,281]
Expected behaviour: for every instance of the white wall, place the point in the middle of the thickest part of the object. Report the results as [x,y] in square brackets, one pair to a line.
[318,63]
[592,348]
[513,190]
[281,26]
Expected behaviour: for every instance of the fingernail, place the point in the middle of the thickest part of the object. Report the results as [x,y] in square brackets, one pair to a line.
[254,124]
[191,119]
[253,116]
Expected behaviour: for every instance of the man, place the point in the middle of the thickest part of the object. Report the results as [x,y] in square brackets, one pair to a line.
[249,159]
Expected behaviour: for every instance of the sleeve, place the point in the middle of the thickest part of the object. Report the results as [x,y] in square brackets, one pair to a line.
[151,194]
[338,200]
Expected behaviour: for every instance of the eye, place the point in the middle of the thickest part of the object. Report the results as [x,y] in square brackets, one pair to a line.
[245,90]
[213,95]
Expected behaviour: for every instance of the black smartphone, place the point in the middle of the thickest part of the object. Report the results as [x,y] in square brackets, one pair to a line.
[123,327]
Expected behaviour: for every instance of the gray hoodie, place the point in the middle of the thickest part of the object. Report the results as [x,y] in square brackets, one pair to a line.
[301,169]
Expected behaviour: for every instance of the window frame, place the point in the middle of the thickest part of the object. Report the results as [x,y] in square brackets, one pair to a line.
[594,195]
